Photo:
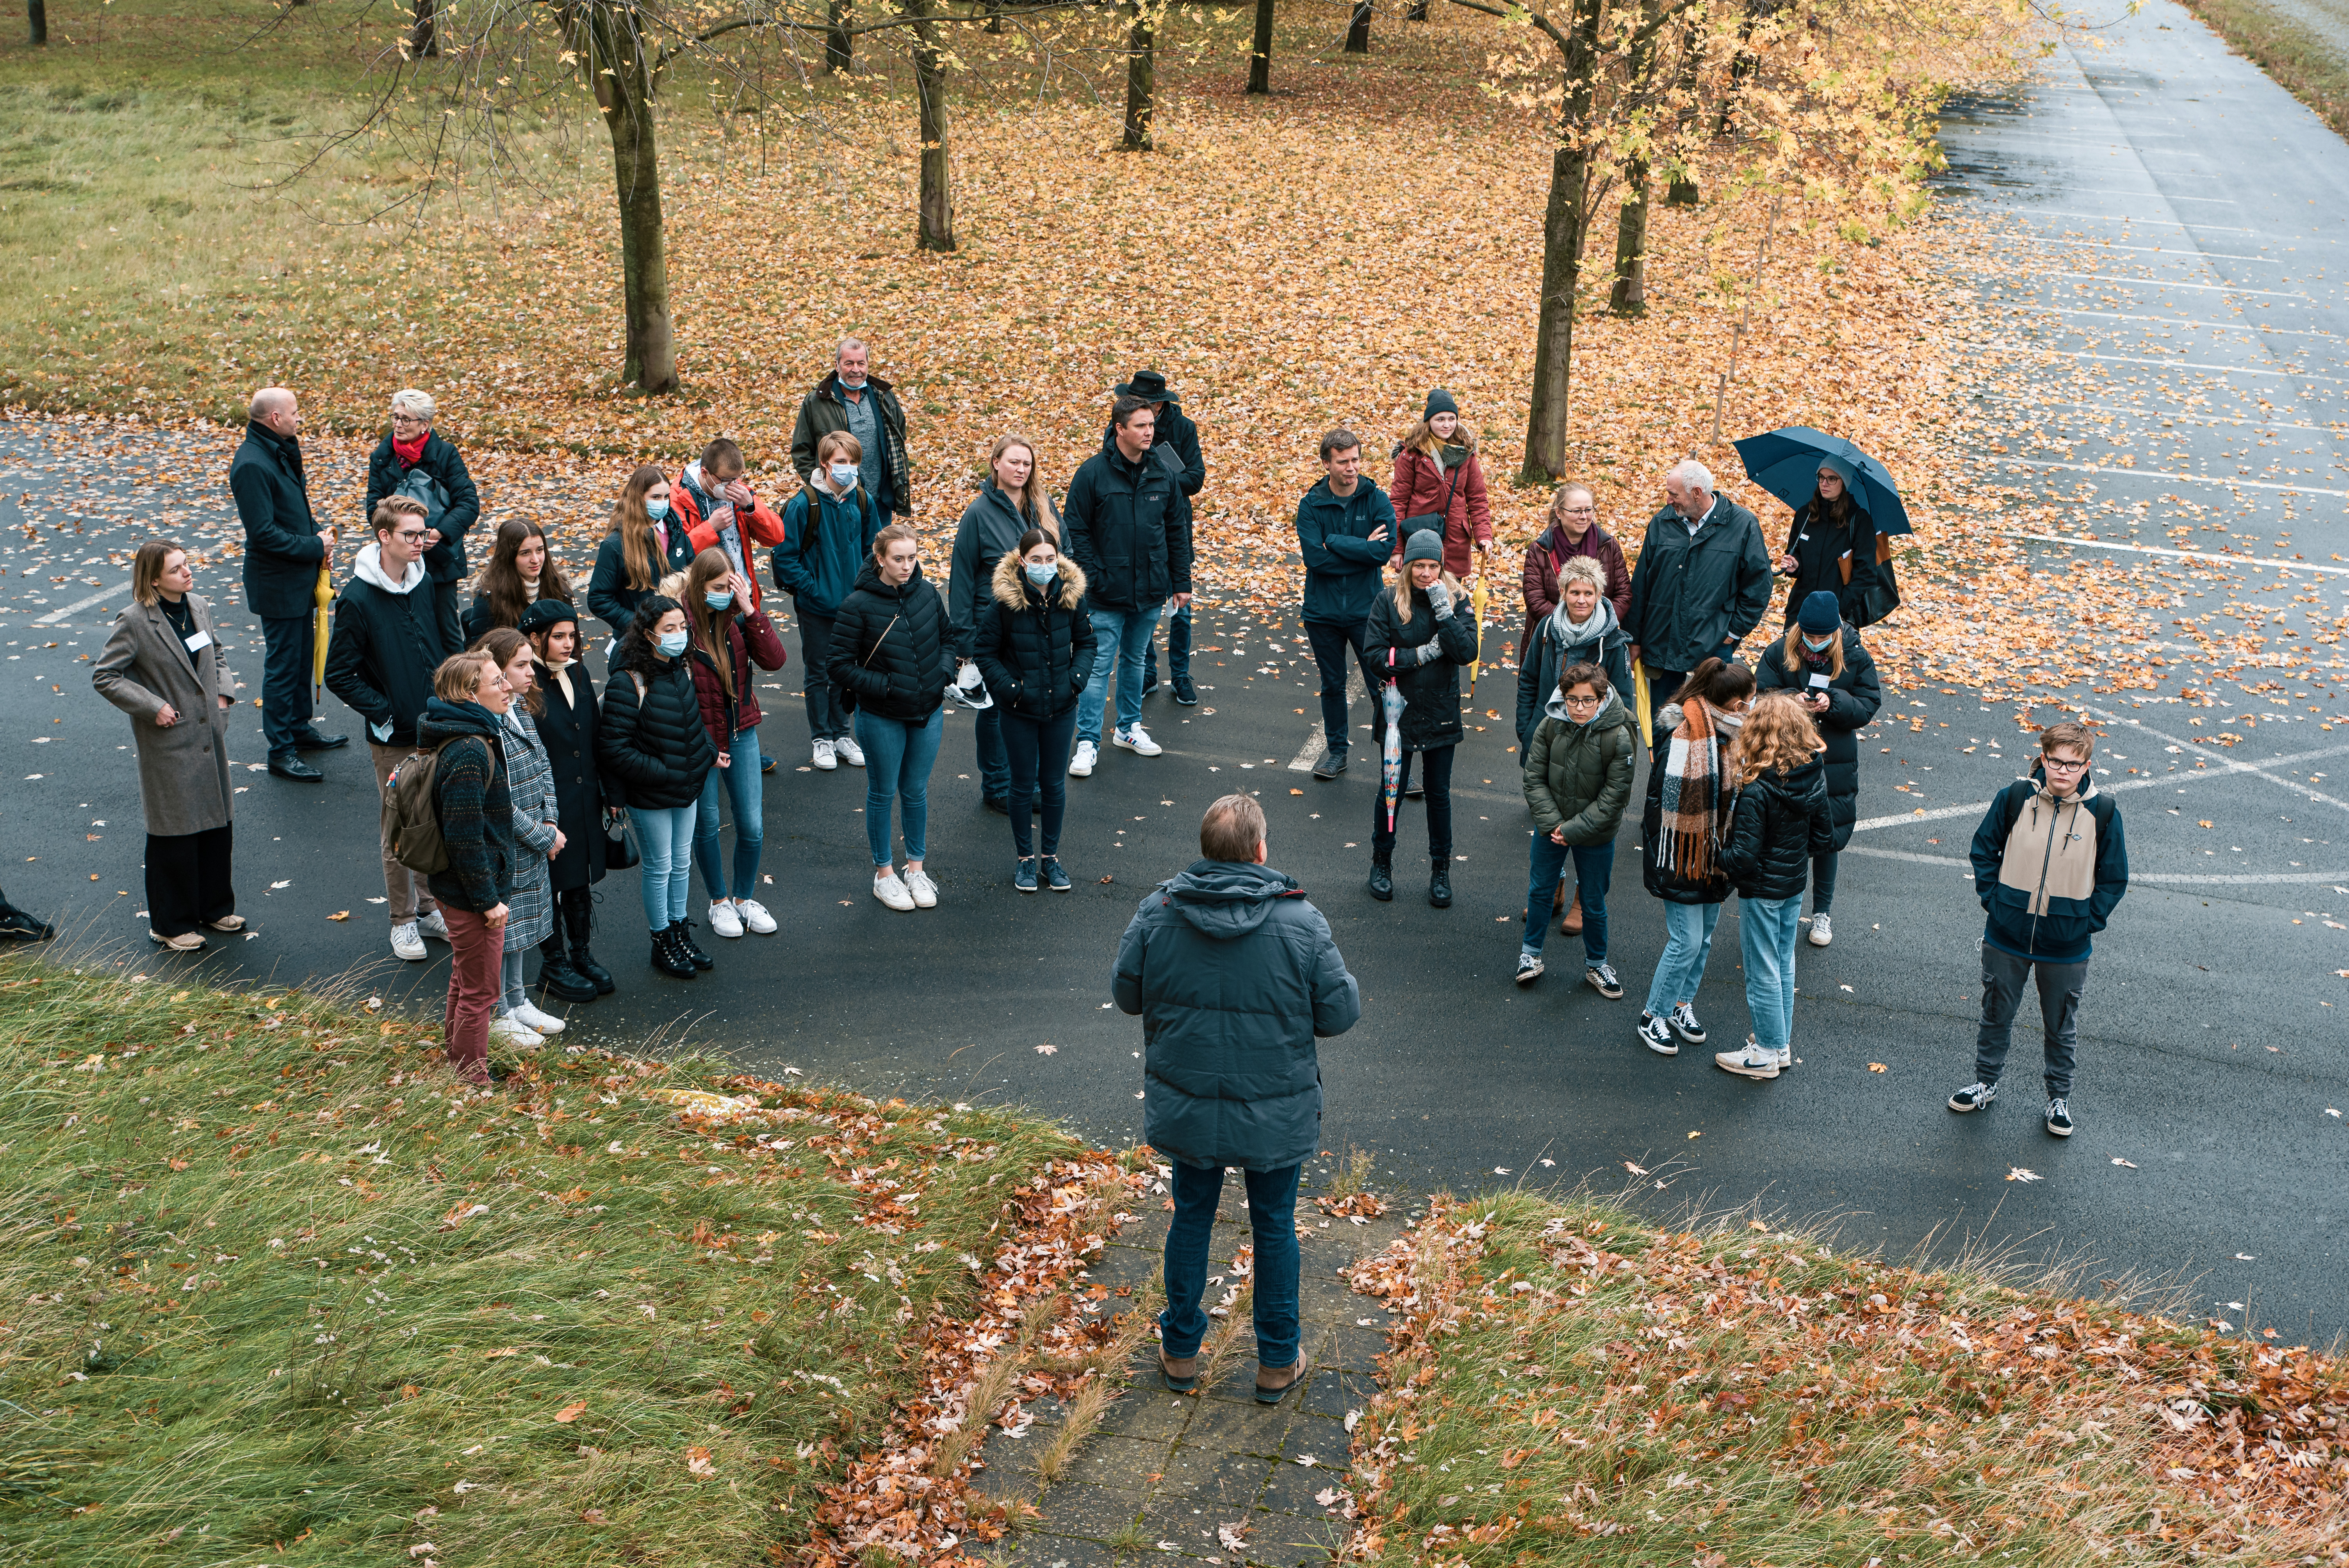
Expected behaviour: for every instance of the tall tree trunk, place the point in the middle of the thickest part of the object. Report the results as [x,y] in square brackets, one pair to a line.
[1563,225]
[1140,77]
[424,39]
[1415,11]
[1260,50]
[839,44]
[1358,29]
[995,16]
[618,65]
[936,233]
[1630,293]
[1681,190]
[37,15]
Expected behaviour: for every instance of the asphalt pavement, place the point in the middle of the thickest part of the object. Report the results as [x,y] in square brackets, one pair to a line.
[2210,1152]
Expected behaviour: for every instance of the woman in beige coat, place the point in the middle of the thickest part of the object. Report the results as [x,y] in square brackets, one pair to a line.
[163,667]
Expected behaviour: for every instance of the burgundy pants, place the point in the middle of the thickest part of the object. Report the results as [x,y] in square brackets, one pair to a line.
[476,947]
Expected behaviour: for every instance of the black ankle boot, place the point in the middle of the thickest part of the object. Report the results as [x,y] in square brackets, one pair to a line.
[1381,883]
[670,959]
[578,923]
[1439,882]
[558,976]
[683,929]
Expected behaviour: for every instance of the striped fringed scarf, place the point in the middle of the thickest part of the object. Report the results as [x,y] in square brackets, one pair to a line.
[1693,795]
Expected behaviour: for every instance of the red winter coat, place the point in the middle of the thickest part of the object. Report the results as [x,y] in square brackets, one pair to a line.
[760,526]
[752,641]
[1419,489]
[1549,551]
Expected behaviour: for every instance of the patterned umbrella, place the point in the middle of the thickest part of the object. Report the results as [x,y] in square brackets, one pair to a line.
[1391,755]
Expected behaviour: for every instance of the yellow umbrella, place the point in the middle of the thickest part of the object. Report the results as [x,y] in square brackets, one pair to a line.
[1640,701]
[1476,603]
[325,596]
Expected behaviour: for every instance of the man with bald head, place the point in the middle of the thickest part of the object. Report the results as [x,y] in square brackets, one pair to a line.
[284,546]
[1702,582]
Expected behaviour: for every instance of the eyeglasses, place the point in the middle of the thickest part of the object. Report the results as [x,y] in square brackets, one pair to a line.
[2059,764]
[1584,701]
[1580,511]
[410,535]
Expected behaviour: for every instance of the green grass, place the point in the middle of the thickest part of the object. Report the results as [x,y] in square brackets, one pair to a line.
[1574,1385]
[2311,67]
[276,1290]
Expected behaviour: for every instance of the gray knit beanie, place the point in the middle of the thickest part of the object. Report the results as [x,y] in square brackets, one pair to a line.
[1425,545]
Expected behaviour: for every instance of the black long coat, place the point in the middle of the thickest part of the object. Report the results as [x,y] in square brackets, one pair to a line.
[1853,698]
[568,731]
[281,546]
[1818,548]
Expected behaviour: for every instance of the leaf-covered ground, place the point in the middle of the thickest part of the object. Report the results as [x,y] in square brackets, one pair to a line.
[278,1289]
[1571,1384]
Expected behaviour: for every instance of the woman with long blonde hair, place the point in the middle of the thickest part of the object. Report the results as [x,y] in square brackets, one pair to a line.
[1419,635]
[1780,821]
[645,544]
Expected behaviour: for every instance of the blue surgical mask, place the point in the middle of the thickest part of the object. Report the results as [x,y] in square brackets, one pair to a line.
[1039,575]
[843,475]
[672,643]
[719,601]
[657,509]
[1817,644]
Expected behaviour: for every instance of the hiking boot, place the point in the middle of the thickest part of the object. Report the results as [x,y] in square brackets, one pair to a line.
[669,960]
[1181,1372]
[1754,1061]
[1439,882]
[1023,876]
[1381,883]
[1529,969]
[1822,931]
[1332,763]
[578,926]
[1571,923]
[1657,1035]
[1974,1097]
[690,948]
[406,943]
[1683,1019]
[1272,1382]
[1600,977]
[562,979]
[2059,1117]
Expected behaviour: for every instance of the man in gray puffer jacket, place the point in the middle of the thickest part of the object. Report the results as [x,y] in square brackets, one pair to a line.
[1234,975]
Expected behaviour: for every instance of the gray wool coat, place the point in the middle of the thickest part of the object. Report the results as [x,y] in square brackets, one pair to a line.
[183,779]
[530,779]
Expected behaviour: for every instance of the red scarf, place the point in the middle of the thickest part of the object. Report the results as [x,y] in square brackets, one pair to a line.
[409,452]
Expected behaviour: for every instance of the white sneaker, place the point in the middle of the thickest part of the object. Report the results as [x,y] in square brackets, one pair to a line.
[532,1018]
[1136,741]
[755,916]
[825,762]
[1786,1058]
[1081,764]
[513,1031]
[407,943]
[891,890]
[849,751]
[723,921]
[925,891]
[433,926]
[1822,931]
[1753,1061]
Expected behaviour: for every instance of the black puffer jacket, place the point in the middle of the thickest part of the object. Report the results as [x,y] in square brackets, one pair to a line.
[654,745]
[1034,648]
[1853,698]
[1128,525]
[1780,822]
[1660,880]
[890,647]
[1431,692]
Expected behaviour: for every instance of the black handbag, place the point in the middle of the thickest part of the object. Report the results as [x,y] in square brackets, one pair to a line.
[619,845]
[1436,520]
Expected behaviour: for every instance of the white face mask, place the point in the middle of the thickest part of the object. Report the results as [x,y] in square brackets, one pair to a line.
[844,476]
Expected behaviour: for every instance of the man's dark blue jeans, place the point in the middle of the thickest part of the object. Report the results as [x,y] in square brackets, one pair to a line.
[1272,1215]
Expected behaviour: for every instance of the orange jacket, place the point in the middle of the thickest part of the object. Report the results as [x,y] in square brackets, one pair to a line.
[762,526]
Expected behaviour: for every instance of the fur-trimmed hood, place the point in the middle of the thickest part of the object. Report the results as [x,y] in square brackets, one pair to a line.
[1010,583]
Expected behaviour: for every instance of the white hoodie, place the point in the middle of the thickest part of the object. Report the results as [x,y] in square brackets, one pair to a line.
[368,567]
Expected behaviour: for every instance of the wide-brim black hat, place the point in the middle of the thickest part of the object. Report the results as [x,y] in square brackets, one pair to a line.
[1149,386]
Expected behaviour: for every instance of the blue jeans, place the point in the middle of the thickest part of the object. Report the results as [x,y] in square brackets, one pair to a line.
[1330,641]
[665,843]
[1272,1216]
[1121,639]
[1178,647]
[740,779]
[1766,937]
[1594,869]
[1688,931]
[898,756]
[994,761]
[1038,753]
[288,656]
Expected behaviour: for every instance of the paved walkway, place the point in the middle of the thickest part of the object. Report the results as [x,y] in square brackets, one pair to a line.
[1165,1473]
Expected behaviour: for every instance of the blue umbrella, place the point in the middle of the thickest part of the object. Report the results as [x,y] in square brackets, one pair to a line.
[1787,463]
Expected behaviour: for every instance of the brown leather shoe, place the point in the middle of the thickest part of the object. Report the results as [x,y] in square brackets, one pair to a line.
[1571,923]
[1272,1382]
[1182,1373]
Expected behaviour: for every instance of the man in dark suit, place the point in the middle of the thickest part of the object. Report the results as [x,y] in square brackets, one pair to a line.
[284,548]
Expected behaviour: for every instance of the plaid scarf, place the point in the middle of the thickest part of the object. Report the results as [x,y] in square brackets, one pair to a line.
[1694,803]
